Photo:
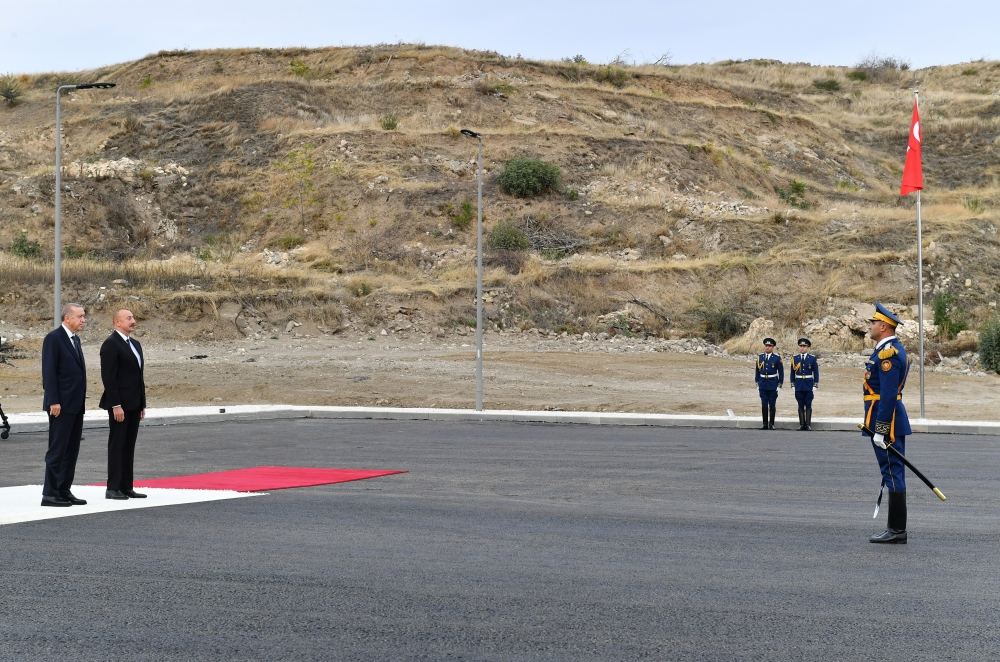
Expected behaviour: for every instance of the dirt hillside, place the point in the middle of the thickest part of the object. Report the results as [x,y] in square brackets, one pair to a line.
[225,194]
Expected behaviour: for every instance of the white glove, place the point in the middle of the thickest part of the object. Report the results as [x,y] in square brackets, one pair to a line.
[879,440]
[815,387]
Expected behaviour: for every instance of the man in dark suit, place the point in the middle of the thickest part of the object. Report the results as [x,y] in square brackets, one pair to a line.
[125,399]
[64,381]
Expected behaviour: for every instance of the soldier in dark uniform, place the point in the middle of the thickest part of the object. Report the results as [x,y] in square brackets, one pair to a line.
[886,419]
[769,374]
[805,379]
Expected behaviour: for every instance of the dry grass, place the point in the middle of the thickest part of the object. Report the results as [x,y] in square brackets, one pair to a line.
[724,131]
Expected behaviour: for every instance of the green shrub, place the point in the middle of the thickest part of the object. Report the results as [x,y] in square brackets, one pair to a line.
[858,75]
[971,71]
[288,242]
[145,82]
[794,194]
[10,90]
[389,122]
[974,205]
[827,84]
[526,178]
[612,75]
[944,316]
[507,236]
[462,217]
[299,68]
[23,247]
[989,345]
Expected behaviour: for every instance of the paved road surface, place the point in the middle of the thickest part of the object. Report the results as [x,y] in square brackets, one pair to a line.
[512,542]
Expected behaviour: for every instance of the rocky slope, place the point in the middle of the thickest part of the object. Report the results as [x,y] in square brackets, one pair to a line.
[226,193]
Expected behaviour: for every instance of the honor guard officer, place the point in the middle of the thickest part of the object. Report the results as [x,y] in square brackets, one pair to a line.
[886,419]
[770,375]
[805,379]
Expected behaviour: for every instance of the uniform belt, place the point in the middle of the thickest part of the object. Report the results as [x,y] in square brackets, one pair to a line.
[876,396]
[804,377]
[770,376]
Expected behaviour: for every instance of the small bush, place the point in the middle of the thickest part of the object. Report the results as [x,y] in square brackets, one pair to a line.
[510,261]
[10,90]
[971,71]
[24,247]
[145,81]
[526,178]
[299,68]
[827,84]
[131,123]
[612,75]
[493,87]
[288,242]
[721,322]
[389,122]
[507,236]
[974,205]
[989,345]
[882,69]
[462,217]
[945,317]
[794,194]
[858,75]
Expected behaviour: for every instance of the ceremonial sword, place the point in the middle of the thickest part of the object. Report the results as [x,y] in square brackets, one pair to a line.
[891,448]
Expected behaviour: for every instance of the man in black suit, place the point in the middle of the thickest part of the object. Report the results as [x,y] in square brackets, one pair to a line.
[64,381]
[125,399]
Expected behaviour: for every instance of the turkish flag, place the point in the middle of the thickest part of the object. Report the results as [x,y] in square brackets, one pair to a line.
[913,177]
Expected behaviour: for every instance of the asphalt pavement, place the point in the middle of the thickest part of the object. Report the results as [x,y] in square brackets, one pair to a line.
[512,541]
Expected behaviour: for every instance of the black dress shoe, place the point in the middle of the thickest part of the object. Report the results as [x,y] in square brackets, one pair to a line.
[132,494]
[69,496]
[115,494]
[56,501]
[889,537]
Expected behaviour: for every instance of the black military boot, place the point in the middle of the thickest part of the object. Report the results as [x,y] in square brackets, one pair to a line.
[763,415]
[809,418]
[895,534]
[771,415]
[802,418]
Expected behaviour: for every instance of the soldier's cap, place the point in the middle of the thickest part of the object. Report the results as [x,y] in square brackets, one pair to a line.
[770,341]
[883,314]
[805,341]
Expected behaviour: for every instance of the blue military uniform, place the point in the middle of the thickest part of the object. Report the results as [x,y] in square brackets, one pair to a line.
[885,375]
[804,375]
[769,373]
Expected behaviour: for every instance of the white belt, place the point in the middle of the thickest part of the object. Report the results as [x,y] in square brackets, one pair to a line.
[770,376]
[804,377]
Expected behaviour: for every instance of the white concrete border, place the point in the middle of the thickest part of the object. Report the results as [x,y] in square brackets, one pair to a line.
[97,418]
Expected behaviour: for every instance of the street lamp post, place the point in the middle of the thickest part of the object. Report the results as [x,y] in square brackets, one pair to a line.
[58,236]
[479,268]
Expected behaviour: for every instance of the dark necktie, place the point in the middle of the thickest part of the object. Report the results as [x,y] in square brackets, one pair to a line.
[128,341]
[79,349]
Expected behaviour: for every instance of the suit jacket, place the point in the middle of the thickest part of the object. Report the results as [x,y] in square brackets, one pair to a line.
[122,374]
[64,373]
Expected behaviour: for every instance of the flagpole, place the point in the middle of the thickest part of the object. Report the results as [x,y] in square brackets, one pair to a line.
[920,283]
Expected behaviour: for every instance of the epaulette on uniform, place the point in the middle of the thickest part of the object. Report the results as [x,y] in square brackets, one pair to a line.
[887,353]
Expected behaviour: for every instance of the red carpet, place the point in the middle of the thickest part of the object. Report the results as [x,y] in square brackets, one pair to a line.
[260,479]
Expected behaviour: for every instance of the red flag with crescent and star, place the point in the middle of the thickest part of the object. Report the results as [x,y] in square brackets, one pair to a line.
[913,176]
